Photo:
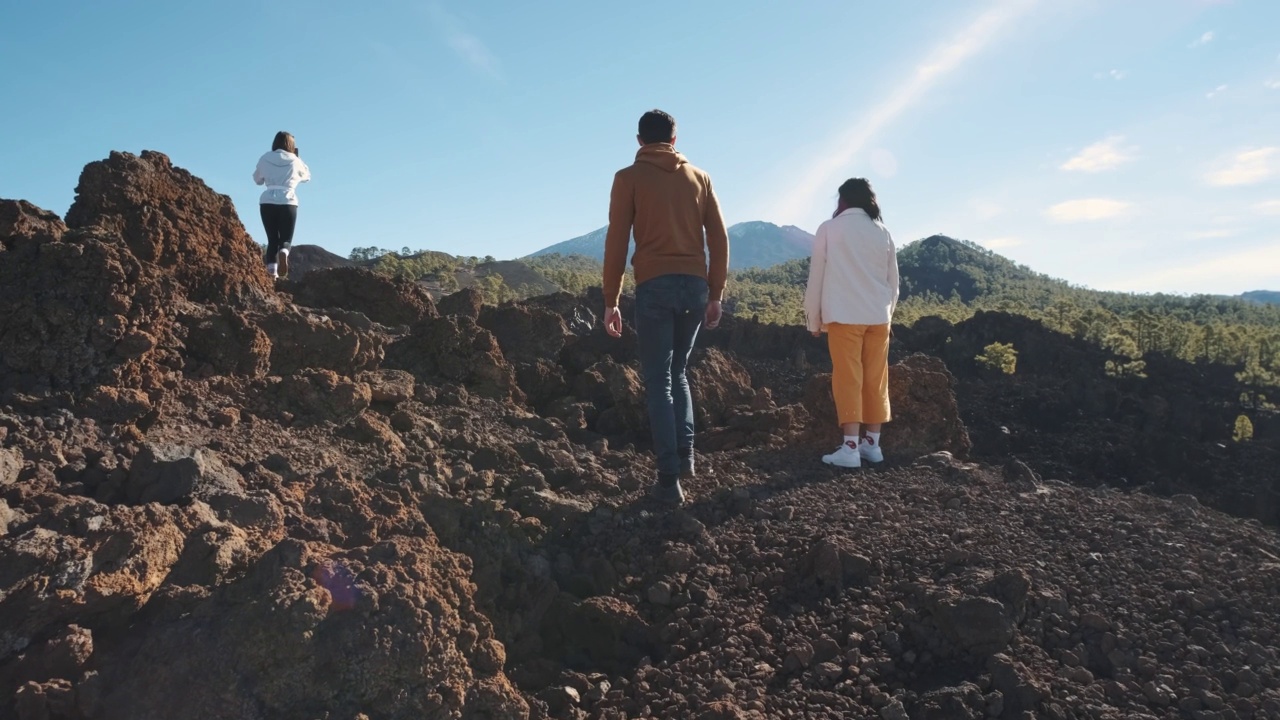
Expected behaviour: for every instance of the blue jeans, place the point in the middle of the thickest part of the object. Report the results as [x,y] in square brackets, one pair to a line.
[669,312]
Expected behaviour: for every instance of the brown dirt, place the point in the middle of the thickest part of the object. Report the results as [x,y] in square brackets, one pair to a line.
[337,502]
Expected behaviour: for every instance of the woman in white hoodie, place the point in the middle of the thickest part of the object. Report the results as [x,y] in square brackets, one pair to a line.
[281,170]
[852,292]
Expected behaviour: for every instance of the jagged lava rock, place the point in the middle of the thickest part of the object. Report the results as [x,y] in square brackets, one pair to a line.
[390,301]
[926,418]
[173,223]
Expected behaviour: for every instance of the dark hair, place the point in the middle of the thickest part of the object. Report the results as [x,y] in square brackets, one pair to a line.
[284,141]
[857,193]
[657,127]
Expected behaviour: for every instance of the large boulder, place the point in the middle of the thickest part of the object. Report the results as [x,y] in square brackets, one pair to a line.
[464,303]
[302,339]
[386,300]
[720,385]
[99,569]
[303,624]
[617,393]
[20,219]
[525,334]
[173,223]
[170,474]
[453,349]
[926,417]
[75,312]
[225,342]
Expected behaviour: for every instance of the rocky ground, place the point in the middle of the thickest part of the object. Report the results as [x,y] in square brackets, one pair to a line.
[334,498]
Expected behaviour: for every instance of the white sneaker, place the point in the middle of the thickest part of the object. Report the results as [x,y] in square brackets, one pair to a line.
[271,270]
[845,456]
[869,452]
[282,262]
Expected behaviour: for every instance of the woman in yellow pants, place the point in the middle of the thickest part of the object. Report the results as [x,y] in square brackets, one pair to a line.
[852,292]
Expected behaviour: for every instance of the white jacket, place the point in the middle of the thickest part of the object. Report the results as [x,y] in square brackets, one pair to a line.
[853,273]
[281,172]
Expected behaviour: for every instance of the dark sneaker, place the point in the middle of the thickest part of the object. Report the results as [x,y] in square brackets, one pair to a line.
[668,494]
[282,263]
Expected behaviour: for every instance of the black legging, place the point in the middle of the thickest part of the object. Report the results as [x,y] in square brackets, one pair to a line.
[279,221]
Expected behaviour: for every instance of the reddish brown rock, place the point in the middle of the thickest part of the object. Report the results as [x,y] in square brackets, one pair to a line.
[719,385]
[301,339]
[926,417]
[301,624]
[454,349]
[617,394]
[316,396]
[20,219]
[525,334]
[386,300]
[226,342]
[463,303]
[172,223]
[74,312]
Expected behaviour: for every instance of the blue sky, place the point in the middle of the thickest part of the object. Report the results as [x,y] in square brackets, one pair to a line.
[1121,145]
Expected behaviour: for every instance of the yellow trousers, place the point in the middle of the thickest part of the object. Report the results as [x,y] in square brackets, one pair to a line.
[860,372]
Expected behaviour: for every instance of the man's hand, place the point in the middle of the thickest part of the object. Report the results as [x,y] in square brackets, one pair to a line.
[817,333]
[613,321]
[713,315]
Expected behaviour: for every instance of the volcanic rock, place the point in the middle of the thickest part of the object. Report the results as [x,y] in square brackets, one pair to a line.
[20,220]
[390,301]
[172,223]
[925,415]
[453,348]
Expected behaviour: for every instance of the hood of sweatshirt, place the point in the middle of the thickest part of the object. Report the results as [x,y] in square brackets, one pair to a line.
[661,155]
[280,158]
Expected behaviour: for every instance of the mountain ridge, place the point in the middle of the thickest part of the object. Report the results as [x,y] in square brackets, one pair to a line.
[752,244]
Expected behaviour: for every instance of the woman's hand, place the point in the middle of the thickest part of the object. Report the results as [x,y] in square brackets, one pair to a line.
[817,333]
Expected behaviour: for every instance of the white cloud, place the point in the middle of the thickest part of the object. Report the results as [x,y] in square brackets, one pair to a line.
[883,163]
[1253,267]
[1103,155]
[986,210]
[1272,84]
[470,48]
[999,243]
[1087,209]
[1268,207]
[822,174]
[1113,74]
[1216,92]
[1203,40]
[1210,234]
[1246,168]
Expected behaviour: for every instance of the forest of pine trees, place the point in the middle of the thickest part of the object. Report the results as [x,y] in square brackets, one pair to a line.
[955,279]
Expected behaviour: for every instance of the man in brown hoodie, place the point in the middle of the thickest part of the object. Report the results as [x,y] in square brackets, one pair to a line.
[668,203]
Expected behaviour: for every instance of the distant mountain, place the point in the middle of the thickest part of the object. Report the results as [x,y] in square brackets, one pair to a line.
[1262,297]
[590,245]
[942,266]
[754,244]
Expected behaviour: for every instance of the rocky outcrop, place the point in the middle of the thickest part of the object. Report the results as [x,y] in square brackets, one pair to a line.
[453,349]
[390,301]
[922,399]
[172,223]
[217,502]
[20,220]
[76,312]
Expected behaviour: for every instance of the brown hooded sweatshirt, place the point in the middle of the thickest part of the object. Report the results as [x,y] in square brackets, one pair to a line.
[669,203]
